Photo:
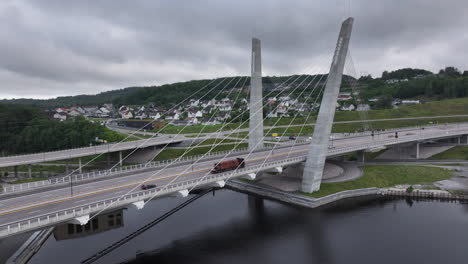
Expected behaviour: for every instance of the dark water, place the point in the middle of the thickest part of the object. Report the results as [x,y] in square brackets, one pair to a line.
[237,228]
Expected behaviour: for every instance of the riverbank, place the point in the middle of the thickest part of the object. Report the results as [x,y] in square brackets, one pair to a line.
[302,200]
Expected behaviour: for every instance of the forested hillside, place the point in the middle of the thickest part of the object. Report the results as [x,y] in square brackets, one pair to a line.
[169,94]
[420,84]
[27,130]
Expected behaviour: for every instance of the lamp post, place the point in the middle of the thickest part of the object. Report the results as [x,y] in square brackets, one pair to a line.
[71,185]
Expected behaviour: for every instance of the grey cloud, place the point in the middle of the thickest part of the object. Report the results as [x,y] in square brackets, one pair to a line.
[89,46]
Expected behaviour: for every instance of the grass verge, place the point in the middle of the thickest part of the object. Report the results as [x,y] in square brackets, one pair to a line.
[455,153]
[175,153]
[382,176]
[28,180]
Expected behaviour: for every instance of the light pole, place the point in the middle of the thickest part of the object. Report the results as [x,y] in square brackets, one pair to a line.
[71,185]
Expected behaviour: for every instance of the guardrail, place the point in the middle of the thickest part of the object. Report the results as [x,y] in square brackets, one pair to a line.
[31,223]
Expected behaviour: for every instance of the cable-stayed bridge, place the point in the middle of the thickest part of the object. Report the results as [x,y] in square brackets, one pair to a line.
[37,205]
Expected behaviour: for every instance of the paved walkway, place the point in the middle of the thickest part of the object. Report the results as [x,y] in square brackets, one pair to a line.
[291,178]
[351,171]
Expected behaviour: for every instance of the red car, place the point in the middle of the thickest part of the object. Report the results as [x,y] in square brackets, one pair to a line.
[148,186]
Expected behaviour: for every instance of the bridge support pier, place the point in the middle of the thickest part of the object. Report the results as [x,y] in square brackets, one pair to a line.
[256,102]
[29,171]
[81,220]
[181,193]
[361,157]
[120,159]
[218,184]
[459,140]
[250,176]
[139,205]
[315,162]
[15,169]
[80,167]
[417,150]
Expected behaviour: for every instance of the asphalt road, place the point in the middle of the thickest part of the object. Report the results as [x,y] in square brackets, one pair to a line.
[34,204]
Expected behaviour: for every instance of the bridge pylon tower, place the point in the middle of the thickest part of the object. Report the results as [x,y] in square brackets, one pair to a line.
[313,169]
[256,95]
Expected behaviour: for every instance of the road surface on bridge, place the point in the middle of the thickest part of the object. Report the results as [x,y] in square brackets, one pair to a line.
[30,205]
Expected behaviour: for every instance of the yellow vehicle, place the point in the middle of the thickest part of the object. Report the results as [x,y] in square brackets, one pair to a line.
[274,134]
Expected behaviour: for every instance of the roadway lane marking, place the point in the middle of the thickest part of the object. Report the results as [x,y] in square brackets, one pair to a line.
[36,211]
[132,184]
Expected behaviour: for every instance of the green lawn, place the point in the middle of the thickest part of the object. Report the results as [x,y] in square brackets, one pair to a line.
[34,169]
[212,141]
[28,180]
[171,153]
[455,153]
[169,129]
[382,176]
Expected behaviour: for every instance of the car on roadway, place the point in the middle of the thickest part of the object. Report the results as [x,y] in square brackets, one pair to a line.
[148,186]
[292,138]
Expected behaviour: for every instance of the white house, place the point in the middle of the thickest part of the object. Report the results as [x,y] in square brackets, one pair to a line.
[73,113]
[410,102]
[225,107]
[126,114]
[272,114]
[60,116]
[349,107]
[363,107]
[210,122]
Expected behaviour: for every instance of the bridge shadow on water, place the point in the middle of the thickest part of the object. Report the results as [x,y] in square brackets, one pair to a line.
[245,236]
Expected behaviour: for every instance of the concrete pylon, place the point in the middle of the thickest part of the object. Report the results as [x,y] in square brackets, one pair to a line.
[313,168]
[256,95]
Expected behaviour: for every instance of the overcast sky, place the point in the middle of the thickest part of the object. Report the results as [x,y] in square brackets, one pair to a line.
[52,48]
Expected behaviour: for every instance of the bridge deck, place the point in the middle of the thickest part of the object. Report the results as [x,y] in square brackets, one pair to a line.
[26,208]
[86,151]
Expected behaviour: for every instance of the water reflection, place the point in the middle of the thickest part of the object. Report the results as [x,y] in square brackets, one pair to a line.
[237,228]
[101,223]
[246,235]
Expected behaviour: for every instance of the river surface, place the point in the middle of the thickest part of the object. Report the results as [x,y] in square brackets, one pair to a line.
[232,227]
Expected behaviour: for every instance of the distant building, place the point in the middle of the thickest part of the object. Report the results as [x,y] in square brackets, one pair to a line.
[349,107]
[344,96]
[363,107]
[410,102]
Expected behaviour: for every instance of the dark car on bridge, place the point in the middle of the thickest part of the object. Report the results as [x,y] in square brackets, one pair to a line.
[148,186]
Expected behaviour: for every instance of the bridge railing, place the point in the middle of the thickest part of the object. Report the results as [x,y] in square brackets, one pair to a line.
[213,155]
[124,170]
[392,141]
[92,150]
[59,216]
